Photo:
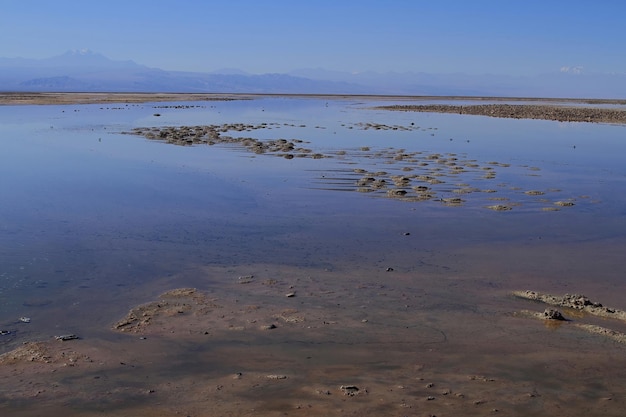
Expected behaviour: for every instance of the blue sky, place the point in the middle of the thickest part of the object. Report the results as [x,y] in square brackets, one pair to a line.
[524,37]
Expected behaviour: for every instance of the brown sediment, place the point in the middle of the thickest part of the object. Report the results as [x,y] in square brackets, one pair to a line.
[29,351]
[250,349]
[559,113]
[178,302]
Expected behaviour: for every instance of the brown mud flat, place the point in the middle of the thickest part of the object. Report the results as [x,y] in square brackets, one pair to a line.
[523,111]
[292,341]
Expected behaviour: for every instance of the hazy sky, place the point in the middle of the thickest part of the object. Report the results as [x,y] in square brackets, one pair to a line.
[516,37]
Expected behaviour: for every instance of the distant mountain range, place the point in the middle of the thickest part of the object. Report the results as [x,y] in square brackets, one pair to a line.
[86,71]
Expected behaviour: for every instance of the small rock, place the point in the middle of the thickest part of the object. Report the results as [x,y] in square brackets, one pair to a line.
[273,376]
[246,279]
[552,314]
[349,390]
[564,203]
[66,337]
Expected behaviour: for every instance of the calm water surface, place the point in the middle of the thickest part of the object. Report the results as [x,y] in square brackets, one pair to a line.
[87,207]
[94,221]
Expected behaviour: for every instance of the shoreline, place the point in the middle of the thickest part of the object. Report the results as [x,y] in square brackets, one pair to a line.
[47,98]
[19,98]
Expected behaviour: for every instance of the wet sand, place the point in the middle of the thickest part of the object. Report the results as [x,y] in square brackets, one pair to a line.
[291,341]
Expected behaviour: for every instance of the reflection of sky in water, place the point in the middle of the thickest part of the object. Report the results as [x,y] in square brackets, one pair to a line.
[83,205]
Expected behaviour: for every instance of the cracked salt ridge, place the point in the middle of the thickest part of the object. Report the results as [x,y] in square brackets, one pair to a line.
[575,301]
[523,111]
[578,302]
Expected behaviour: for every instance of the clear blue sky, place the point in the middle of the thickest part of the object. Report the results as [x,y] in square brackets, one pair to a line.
[516,37]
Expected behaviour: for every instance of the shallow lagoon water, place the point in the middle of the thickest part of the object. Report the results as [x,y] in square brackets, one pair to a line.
[95,221]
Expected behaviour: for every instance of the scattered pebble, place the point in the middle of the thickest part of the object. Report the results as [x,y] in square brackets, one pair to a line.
[66,337]
[349,390]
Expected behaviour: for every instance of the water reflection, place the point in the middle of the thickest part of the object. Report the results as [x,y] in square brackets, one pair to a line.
[69,174]
[94,221]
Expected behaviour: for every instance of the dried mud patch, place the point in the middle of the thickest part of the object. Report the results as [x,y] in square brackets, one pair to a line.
[183,303]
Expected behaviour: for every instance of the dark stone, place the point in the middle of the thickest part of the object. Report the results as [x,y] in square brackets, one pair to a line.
[552,314]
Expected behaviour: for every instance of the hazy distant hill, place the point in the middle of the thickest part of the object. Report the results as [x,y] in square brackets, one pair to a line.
[563,83]
[92,72]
